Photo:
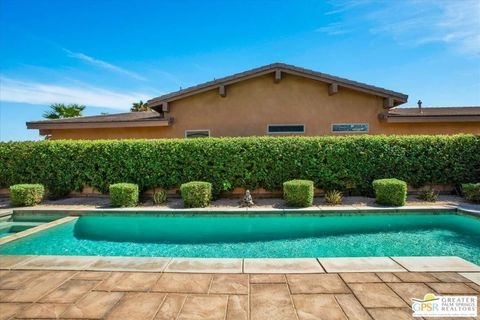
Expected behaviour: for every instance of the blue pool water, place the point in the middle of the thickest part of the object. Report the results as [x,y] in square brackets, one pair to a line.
[9,227]
[255,236]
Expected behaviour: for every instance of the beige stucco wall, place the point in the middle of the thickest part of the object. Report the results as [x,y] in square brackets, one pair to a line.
[253,104]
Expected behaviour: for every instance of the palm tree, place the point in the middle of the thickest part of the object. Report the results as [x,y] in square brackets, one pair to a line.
[60,111]
[139,106]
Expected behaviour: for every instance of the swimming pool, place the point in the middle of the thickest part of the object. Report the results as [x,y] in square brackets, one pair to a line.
[259,236]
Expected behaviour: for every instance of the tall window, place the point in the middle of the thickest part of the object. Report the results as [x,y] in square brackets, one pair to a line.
[197,133]
[285,128]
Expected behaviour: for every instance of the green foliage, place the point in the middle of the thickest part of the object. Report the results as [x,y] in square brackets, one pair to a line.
[160,197]
[139,106]
[471,191]
[123,195]
[60,111]
[429,195]
[298,193]
[390,191]
[57,192]
[333,197]
[348,164]
[26,194]
[196,194]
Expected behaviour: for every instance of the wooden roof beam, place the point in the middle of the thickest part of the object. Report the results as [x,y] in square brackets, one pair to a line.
[222,91]
[278,76]
[388,103]
[332,89]
[165,106]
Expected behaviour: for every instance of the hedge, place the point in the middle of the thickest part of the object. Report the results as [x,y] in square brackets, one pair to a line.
[392,192]
[348,164]
[471,191]
[22,195]
[298,193]
[159,197]
[196,194]
[123,195]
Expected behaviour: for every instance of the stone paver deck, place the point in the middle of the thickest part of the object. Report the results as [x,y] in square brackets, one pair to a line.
[259,266]
[68,294]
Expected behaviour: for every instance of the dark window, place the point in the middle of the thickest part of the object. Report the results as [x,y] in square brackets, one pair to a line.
[286,128]
[197,133]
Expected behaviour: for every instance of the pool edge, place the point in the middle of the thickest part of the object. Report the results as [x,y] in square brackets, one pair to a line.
[36,229]
[238,266]
[325,210]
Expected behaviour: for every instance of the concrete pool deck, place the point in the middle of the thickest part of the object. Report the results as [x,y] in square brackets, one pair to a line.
[89,294]
[233,265]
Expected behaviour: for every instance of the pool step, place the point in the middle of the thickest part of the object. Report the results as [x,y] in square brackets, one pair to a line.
[15,226]
[5,212]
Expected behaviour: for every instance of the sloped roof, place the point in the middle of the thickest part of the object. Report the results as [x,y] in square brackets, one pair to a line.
[435,111]
[433,114]
[398,97]
[149,118]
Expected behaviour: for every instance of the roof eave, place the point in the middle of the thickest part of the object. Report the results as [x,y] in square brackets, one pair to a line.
[429,118]
[42,125]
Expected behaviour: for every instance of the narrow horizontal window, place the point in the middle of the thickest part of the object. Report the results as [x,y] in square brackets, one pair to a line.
[285,128]
[349,127]
[197,133]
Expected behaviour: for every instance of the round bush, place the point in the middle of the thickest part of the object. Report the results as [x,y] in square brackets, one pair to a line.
[196,194]
[26,194]
[471,191]
[428,195]
[123,195]
[159,197]
[390,191]
[298,193]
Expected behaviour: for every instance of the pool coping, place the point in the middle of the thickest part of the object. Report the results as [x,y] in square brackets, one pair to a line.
[5,212]
[339,210]
[235,265]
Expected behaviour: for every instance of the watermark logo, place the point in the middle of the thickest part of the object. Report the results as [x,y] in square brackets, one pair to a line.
[444,306]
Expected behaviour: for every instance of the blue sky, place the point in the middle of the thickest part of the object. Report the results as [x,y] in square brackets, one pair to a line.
[107,54]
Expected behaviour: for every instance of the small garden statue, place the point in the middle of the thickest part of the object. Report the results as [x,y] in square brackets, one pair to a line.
[247,200]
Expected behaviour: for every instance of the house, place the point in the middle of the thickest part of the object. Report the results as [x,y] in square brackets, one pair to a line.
[276,99]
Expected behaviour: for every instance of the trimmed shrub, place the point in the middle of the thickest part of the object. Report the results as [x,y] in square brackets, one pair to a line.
[22,195]
[390,191]
[471,191]
[123,195]
[428,195]
[333,197]
[196,194]
[348,163]
[160,197]
[298,193]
